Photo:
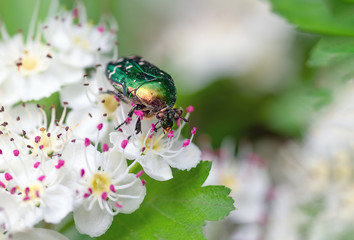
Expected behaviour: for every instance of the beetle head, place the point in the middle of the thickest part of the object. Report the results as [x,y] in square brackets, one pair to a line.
[167,116]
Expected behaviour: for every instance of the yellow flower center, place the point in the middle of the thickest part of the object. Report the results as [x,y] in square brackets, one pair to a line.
[100,183]
[156,145]
[35,191]
[110,105]
[81,42]
[153,143]
[29,62]
[46,143]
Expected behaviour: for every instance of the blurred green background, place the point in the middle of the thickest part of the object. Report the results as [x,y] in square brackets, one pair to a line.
[228,103]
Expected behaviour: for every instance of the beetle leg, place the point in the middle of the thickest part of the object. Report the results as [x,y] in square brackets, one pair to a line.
[184,119]
[131,112]
[156,128]
[138,126]
[116,128]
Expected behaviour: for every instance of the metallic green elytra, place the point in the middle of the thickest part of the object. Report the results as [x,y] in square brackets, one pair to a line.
[152,90]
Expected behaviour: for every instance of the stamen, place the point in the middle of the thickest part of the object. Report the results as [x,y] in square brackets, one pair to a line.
[60,164]
[139,174]
[128,120]
[190,109]
[143,182]
[194,130]
[82,173]
[178,122]
[2,185]
[118,205]
[139,113]
[104,196]
[105,147]
[170,134]
[13,190]
[99,126]
[87,142]
[36,165]
[111,187]
[8,176]
[41,178]
[186,143]
[37,139]
[124,143]
[16,152]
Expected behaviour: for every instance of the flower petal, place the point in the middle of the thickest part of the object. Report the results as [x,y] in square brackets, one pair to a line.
[58,203]
[75,95]
[94,222]
[86,125]
[38,233]
[187,159]
[115,160]
[137,189]
[130,151]
[156,167]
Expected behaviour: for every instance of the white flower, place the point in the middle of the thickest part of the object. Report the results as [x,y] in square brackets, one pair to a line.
[12,226]
[76,40]
[156,151]
[284,218]
[107,188]
[247,178]
[37,188]
[28,126]
[30,69]
[91,106]
[332,131]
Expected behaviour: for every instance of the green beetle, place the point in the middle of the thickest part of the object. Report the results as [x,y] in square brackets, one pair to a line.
[152,90]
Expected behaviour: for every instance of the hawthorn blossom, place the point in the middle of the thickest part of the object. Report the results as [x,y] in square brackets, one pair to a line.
[76,40]
[11,222]
[30,69]
[37,188]
[154,150]
[248,179]
[91,105]
[106,189]
[29,127]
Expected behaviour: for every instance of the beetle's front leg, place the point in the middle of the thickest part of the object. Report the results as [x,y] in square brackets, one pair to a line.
[138,126]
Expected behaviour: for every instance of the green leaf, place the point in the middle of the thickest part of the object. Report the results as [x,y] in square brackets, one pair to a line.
[331,50]
[176,209]
[335,57]
[319,16]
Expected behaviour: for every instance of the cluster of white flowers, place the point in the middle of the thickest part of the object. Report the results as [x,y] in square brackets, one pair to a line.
[313,196]
[76,162]
[250,185]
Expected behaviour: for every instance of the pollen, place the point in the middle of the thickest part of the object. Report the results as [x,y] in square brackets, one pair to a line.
[100,183]
[43,142]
